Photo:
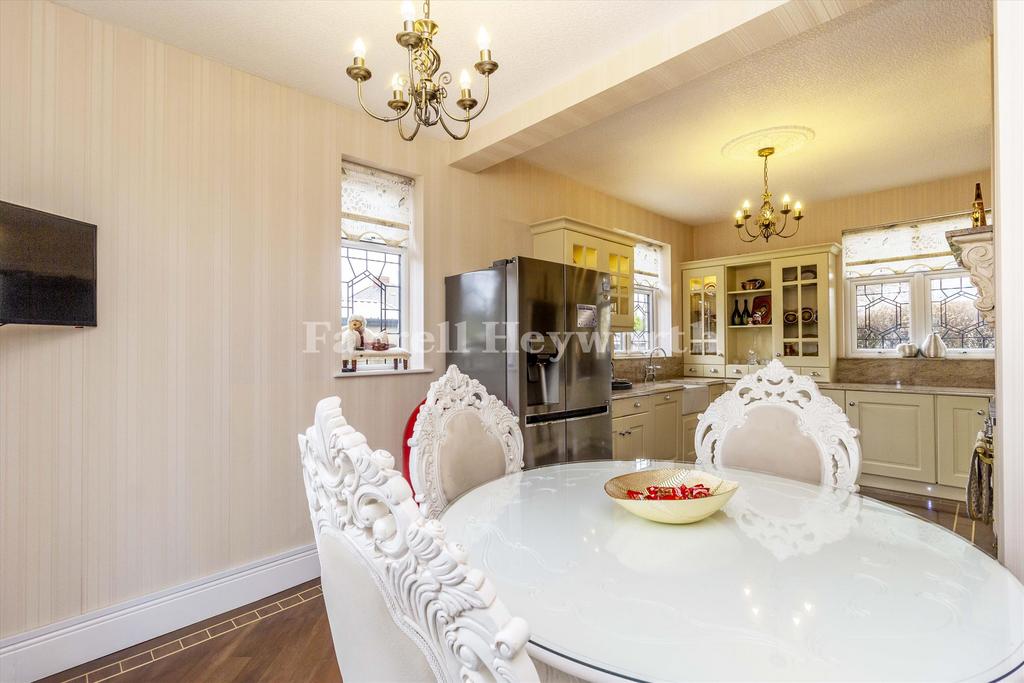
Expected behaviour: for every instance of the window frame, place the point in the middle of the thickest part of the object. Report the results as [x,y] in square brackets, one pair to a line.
[920,312]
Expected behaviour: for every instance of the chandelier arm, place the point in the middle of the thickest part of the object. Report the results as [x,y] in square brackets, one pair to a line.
[385,119]
[752,236]
[744,239]
[449,130]
[483,105]
[411,135]
[785,221]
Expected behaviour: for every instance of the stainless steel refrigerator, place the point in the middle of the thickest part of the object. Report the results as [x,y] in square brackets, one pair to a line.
[537,335]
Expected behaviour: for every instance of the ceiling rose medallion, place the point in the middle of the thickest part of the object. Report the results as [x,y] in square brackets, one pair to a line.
[417,91]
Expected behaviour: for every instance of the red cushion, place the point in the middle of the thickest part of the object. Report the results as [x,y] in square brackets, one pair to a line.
[406,435]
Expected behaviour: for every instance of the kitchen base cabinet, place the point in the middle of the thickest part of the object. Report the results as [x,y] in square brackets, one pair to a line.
[631,436]
[666,409]
[959,419]
[837,395]
[687,432]
[897,433]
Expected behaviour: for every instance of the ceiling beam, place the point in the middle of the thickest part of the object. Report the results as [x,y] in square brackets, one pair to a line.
[716,34]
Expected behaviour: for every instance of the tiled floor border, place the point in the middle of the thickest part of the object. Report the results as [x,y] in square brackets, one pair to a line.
[108,671]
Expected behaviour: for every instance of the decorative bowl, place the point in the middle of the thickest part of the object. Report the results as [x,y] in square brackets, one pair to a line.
[752,284]
[671,511]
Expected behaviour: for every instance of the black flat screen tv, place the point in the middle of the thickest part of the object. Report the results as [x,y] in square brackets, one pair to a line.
[47,268]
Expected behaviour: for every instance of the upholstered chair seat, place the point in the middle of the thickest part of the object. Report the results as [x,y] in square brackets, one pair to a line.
[778,422]
[463,437]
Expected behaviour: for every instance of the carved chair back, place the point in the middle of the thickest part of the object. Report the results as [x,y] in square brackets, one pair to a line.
[777,421]
[402,603]
[463,437]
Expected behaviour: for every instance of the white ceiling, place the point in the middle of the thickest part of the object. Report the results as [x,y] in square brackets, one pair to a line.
[307,44]
[896,92]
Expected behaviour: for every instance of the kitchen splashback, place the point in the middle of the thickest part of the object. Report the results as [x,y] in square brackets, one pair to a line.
[935,372]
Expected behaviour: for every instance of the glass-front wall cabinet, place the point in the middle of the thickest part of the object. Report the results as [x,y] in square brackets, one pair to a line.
[800,285]
[704,316]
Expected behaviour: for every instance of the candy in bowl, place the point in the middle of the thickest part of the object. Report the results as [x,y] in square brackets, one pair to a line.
[671,496]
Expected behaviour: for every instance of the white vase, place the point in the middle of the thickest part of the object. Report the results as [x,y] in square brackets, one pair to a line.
[933,346]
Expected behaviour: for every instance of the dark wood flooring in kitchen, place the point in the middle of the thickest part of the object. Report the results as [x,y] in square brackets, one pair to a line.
[286,637]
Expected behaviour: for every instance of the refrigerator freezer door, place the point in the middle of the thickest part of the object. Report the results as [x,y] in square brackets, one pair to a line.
[589,438]
[588,354]
[544,444]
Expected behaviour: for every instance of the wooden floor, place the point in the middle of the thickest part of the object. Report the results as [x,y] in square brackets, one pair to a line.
[286,637]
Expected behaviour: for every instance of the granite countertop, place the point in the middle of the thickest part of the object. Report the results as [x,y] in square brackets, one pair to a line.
[647,388]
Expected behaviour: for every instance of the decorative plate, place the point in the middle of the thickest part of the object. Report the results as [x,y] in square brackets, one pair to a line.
[763,304]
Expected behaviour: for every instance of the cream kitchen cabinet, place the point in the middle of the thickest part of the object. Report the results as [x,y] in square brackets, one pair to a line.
[687,433]
[837,395]
[703,320]
[647,426]
[959,419]
[667,409]
[631,436]
[897,433]
[576,243]
[800,281]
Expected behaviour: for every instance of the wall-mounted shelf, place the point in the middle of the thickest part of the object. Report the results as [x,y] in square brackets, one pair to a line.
[763,290]
[750,327]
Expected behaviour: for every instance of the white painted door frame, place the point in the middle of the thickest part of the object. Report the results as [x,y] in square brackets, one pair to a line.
[1008,86]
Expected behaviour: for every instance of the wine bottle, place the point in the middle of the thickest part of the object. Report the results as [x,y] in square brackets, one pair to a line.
[737,317]
[746,312]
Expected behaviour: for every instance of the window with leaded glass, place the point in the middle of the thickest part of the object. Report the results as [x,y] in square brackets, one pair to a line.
[903,283]
[376,223]
[646,284]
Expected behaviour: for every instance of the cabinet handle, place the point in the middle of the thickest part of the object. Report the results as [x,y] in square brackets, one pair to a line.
[637,404]
[669,398]
[853,403]
[981,412]
[737,371]
[778,355]
[815,373]
[713,371]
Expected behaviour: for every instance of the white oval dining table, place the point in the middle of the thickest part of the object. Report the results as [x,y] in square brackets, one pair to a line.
[789,581]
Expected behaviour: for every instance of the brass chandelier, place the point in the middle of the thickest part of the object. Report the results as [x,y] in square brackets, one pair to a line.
[765,224]
[417,91]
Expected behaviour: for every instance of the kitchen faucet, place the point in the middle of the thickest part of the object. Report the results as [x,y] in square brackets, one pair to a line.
[650,370]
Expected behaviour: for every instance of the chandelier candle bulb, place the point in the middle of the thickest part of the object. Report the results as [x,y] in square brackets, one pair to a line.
[408,16]
[359,49]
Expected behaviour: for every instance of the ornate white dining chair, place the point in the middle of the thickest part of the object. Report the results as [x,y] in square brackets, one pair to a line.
[463,437]
[402,603]
[777,421]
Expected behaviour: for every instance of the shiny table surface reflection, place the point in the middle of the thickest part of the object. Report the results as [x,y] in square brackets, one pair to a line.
[789,581]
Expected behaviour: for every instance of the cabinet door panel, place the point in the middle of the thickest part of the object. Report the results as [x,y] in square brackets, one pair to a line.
[801,285]
[837,395]
[688,430]
[631,436]
[704,317]
[959,418]
[897,433]
[667,409]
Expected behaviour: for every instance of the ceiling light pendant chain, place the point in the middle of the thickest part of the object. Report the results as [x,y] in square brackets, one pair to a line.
[423,91]
[766,224]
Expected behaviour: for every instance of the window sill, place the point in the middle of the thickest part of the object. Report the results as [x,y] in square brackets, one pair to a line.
[382,372]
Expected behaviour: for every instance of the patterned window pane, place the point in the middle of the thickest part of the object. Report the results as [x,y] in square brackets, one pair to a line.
[642,303]
[954,316]
[883,314]
[371,286]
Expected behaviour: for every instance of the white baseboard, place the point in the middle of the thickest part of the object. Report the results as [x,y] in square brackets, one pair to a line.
[34,654]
